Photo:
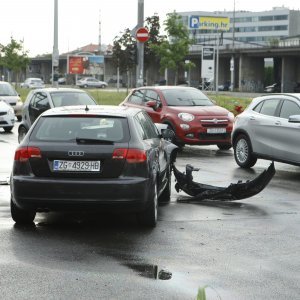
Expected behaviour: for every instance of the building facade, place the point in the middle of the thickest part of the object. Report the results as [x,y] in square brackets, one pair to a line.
[246,28]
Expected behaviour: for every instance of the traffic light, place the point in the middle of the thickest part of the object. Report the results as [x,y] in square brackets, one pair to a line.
[132,54]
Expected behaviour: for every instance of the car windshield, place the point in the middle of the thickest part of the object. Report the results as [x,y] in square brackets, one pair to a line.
[71,98]
[7,90]
[36,81]
[186,97]
[76,128]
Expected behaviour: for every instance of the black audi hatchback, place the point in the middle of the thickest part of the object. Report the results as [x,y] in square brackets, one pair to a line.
[90,158]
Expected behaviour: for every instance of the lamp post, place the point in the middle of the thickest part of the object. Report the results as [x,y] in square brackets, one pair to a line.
[232,57]
[55,53]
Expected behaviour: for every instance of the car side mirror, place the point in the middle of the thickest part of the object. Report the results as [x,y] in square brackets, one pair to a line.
[294,119]
[154,104]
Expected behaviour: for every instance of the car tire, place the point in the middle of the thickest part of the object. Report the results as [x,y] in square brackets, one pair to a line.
[103,86]
[8,129]
[21,216]
[224,146]
[166,193]
[148,217]
[243,152]
[22,133]
[174,140]
[85,86]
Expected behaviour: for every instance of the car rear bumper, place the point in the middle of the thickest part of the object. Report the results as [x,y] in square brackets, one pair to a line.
[54,194]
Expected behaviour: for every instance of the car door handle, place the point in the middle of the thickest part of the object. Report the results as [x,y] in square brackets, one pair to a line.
[252,118]
[277,123]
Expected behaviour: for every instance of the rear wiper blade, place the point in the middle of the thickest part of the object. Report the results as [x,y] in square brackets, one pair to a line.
[80,140]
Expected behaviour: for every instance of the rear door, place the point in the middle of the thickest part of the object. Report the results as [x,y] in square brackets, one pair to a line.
[287,143]
[262,126]
[37,105]
[79,147]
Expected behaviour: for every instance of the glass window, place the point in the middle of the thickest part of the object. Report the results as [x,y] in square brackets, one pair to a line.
[288,109]
[258,107]
[281,27]
[150,130]
[137,97]
[269,107]
[40,101]
[265,18]
[186,97]
[66,128]
[7,90]
[281,17]
[71,98]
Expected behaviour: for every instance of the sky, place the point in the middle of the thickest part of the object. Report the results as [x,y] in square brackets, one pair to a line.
[78,21]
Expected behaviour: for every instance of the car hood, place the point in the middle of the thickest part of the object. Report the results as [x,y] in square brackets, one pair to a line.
[10,99]
[4,107]
[200,110]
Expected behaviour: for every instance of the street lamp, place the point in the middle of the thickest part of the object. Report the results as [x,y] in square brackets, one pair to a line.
[232,57]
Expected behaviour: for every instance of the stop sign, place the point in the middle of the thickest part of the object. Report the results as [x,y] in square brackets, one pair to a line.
[142,34]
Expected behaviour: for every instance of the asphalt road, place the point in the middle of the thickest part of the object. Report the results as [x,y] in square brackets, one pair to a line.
[247,249]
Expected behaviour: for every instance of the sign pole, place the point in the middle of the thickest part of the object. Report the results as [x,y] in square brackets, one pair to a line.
[140,47]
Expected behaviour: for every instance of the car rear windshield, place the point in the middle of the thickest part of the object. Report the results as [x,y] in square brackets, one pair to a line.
[186,97]
[71,98]
[72,128]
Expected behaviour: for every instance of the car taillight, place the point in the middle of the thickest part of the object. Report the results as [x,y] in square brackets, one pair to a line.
[131,155]
[24,153]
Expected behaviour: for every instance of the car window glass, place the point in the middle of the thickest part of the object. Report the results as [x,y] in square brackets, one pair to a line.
[258,107]
[40,101]
[137,97]
[69,128]
[186,97]
[139,128]
[288,109]
[269,107]
[71,98]
[151,95]
[148,127]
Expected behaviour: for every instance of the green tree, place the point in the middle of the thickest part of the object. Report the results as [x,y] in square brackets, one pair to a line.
[13,57]
[173,51]
[125,44]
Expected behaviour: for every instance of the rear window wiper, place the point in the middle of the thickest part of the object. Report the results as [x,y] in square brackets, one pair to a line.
[80,140]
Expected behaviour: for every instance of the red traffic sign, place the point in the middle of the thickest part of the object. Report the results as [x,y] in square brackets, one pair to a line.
[142,35]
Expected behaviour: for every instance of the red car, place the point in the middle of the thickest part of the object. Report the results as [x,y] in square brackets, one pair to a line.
[194,118]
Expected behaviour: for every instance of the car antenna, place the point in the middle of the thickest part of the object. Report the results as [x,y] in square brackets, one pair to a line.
[86,108]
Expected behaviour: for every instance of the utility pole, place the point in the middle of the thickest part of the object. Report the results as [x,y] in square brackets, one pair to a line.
[232,57]
[55,53]
[140,47]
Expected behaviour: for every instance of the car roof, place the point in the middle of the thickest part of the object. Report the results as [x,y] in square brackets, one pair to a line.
[166,87]
[107,110]
[59,89]
[5,82]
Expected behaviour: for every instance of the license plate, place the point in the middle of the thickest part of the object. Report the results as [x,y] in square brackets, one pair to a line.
[216,130]
[76,166]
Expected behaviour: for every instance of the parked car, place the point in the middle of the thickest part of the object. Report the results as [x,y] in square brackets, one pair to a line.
[7,116]
[40,100]
[33,83]
[90,82]
[96,158]
[273,88]
[11,97]
[194,118]
[270,129]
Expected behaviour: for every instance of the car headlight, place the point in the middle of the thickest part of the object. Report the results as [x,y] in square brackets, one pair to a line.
[186,117]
